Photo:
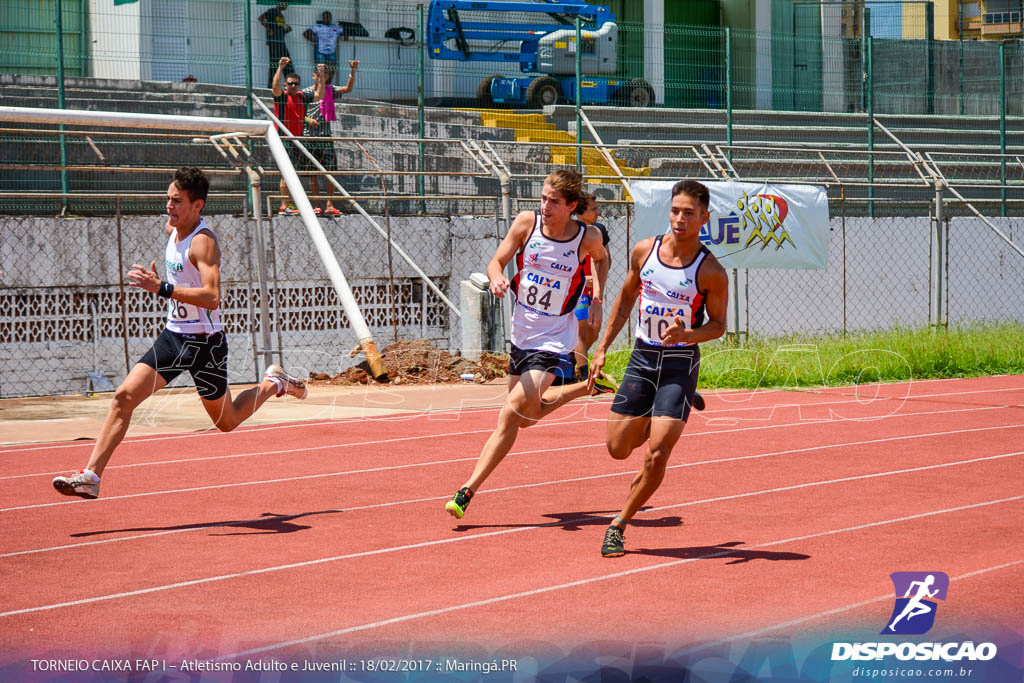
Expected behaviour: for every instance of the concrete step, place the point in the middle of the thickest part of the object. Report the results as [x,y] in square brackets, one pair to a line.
[349,125]
[176,108]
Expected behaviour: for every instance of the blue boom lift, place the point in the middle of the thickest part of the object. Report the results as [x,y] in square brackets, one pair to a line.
[459,30]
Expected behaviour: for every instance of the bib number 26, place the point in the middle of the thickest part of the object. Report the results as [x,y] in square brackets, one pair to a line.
[178,310]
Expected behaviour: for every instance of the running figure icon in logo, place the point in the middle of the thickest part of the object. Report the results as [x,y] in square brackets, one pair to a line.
[915,614]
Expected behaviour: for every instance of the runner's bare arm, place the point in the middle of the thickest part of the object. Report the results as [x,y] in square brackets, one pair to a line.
[593,244]
[623,304]
[205,254]
[513,242]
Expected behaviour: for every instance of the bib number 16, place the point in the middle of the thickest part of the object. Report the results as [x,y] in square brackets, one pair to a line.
[656,325]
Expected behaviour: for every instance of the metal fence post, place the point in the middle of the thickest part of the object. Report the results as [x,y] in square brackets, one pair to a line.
[938,257]
[842,218]
[960,37]
[728,89]
[579,93]
[60,104]
[248,61]
[420,113]
[929,37]
[261,265]
[871,128]
[1002,127]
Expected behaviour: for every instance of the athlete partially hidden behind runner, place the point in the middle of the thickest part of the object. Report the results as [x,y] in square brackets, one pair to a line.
[192,339]
[548,247]
[677,279]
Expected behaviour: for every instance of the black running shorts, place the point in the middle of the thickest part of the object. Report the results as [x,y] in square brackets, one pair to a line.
[561,365]
[205,356]
[658,382]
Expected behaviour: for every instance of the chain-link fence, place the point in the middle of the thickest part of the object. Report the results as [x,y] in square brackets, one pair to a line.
[65,310]
[885,57]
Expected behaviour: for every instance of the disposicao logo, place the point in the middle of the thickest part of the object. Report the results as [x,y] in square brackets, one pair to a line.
[913,614]
[914,611]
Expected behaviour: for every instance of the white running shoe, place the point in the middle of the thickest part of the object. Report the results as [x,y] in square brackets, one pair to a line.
[77,485]
[293,386]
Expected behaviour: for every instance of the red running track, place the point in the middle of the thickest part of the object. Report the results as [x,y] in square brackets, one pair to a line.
[782,514]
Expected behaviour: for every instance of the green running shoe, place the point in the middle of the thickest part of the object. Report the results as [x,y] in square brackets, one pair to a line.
[613,542]
[456,507]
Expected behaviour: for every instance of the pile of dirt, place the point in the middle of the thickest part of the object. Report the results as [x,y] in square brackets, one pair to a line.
[418,361]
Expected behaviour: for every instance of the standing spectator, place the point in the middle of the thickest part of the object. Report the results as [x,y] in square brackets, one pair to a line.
[589,317]
[273,21]
[319,112]
[290,105]
[324,35]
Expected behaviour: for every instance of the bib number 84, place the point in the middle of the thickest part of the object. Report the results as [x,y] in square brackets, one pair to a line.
[531,297]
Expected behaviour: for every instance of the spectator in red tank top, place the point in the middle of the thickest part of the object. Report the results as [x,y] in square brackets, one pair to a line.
[290,105]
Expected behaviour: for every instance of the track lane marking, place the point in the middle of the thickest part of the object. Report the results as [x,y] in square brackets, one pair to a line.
[502,532]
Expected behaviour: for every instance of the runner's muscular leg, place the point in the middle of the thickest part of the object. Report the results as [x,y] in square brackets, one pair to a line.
[524,399]
[228,414]
[665,432]
[626,433]
[141,383]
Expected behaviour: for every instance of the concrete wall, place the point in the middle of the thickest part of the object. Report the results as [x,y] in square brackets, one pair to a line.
[60,300]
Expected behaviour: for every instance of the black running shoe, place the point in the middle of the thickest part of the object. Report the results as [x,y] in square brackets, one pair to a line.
[582,373]
[613,542]
[456,507]
[698,401]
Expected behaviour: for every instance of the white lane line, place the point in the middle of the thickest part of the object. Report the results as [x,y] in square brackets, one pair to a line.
[487,534]
[832,612]
[687,435]
[531,485]
[604,577]
[458,411]
[211,431]
[370,470]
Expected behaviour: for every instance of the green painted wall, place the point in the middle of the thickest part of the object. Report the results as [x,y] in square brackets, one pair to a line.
[694,57]
[629,15]
[28,37]
[796,56]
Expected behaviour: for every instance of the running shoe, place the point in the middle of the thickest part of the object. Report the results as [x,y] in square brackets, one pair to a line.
[79,484]
[613,542]
[317,210]
[582,373]
[293,386]
[698,401]
[332,211]
[456,507]
[289,210]
[604,384]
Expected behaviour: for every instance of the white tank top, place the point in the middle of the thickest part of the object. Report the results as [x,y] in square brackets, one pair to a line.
[667,292]
[181,317]
[547,286]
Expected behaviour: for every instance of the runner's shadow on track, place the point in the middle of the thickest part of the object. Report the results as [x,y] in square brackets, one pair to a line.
[268,523]
[723,551]
[574,521]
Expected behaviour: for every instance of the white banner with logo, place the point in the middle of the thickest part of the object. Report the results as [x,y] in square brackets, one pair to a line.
[752,225]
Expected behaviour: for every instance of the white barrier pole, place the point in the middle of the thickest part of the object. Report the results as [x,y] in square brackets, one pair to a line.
[316,233]
[205,123]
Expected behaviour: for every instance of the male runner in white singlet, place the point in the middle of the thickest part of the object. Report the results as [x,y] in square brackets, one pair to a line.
[677,279]
[548,247]
[192,339]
